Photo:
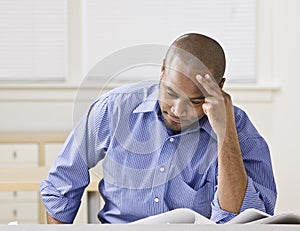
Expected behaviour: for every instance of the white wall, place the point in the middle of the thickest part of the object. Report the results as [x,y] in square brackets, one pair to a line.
[272,107]
[278,120]
[285,113]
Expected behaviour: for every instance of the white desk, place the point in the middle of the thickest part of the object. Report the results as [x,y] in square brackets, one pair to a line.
[139,227]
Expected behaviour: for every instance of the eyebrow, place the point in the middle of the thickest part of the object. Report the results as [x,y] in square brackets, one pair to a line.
[195,98]
[198,98]
[170,89]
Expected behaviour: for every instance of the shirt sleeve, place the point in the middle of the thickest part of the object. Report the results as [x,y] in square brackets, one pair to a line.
[251,200]
[61,192]
[68,177]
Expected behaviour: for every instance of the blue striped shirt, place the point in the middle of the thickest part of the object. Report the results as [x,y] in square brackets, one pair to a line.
[148,170]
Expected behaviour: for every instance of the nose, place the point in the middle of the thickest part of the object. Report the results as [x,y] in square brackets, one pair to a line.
[179,108]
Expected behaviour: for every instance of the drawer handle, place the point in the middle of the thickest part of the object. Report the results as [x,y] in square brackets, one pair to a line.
[14,154]
[15,213]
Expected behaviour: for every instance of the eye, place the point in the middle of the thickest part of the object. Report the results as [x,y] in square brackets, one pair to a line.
[197,102]
[172,94]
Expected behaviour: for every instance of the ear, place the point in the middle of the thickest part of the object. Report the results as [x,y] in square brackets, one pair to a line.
[221,84]
[162,69]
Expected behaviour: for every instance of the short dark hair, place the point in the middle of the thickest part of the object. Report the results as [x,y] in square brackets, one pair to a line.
[207,50]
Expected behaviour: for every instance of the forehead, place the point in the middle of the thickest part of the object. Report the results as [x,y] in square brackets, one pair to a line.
[182,84]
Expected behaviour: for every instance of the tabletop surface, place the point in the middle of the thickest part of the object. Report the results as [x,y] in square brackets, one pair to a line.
[160,227]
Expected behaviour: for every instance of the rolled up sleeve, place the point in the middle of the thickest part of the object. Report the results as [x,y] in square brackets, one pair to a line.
[61,192]
[252,199]
[58,206]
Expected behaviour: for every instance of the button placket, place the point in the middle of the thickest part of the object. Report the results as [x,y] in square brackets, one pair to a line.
[162,172]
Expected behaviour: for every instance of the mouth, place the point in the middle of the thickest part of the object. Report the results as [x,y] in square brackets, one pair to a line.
[175,119]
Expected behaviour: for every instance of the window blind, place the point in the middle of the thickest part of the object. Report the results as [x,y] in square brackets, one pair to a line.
[113,25]
[33,40]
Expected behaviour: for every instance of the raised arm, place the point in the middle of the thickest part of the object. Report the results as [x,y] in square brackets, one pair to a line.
[232,178]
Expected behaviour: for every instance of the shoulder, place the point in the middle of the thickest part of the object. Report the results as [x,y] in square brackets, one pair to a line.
[240,114]
[135,88]
[244,125]
[252,142]
[126,95]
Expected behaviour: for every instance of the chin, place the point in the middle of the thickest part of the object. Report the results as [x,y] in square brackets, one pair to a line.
[176,128]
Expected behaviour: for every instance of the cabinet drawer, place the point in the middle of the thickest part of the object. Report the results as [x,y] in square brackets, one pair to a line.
[51,152]
[18,196]
[19,211]
[19,154]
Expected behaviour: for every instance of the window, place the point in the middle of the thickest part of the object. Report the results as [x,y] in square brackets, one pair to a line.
[110,26]
[33,41]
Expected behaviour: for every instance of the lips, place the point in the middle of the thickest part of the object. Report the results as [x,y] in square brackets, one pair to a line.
[174,119]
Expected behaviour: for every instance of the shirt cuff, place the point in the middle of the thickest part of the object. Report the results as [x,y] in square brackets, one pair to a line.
[59,207]
[251,200]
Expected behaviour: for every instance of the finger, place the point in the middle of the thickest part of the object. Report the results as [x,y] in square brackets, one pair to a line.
[200,86]
[215,99]
[210,85]
[210,99]
[206,108]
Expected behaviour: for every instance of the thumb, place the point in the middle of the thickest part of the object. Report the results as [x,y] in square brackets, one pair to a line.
[205,108]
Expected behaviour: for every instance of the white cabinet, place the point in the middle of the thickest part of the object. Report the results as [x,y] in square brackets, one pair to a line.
[33,151]
[19,206]
[19,154]
[18,196]
[51,152]
[25,150]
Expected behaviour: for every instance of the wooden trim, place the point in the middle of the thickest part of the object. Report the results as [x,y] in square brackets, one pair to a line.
[33,137]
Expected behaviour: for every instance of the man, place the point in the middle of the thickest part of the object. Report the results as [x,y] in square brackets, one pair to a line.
[177,144]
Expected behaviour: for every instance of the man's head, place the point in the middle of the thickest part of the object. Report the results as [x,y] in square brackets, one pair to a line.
[181,96]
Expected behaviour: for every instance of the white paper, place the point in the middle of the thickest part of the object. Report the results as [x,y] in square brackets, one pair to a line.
[177,216]
[249,216]
[285,218]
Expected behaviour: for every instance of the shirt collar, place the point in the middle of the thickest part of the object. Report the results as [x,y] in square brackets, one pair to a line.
[150,104]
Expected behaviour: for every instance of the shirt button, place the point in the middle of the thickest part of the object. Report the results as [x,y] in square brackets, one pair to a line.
[156,199]
[172,139]
[162,169]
